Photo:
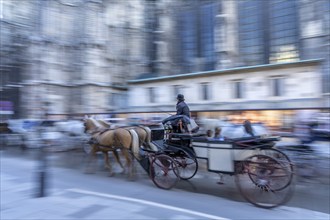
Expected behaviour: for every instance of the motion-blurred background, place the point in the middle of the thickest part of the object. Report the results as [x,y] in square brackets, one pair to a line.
[125,61]
[266,61]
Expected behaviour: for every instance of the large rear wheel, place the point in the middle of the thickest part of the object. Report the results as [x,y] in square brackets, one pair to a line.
[263,181]
[283,159]
[164,171]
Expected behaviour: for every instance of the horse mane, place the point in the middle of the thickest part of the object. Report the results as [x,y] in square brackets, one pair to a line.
[104,123]
[96,122]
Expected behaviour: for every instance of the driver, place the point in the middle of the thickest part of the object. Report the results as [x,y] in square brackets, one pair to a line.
[181,107]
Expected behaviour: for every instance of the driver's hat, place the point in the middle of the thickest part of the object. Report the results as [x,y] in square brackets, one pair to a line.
[180,97]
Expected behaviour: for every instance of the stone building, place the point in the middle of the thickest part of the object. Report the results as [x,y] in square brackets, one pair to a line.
[83,56]
[264,92]
[70,56]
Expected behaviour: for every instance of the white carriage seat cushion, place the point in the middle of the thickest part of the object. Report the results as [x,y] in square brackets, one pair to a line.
[192,126]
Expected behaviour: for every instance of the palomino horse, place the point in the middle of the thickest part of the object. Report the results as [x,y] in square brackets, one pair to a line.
[143,132]
[111,139]
[144,135]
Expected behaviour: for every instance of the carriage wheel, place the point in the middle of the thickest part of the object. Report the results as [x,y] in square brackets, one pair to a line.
[263,181]
[187,166]
[163,171]
[283,159]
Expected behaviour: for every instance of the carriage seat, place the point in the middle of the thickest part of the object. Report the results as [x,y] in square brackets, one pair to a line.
[187,125]
[186,135]
[256,139]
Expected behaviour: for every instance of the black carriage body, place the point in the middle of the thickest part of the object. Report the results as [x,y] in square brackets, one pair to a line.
[157,134]
[172,142]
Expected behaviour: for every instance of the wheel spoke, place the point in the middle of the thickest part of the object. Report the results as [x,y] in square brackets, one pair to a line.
[164,171]
[188,166]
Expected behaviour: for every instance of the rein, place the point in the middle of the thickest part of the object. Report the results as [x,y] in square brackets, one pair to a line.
[98,130]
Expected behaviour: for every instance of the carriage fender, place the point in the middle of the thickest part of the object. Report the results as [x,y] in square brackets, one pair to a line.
[189,151]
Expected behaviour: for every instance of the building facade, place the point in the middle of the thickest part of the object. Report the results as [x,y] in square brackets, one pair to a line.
[85,56]
[293,85]
[222,36]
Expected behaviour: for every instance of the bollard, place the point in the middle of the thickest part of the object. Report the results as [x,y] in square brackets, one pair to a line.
[42,173]
[42,168]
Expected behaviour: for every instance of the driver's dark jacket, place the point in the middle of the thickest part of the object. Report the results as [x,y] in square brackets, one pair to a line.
[182,109]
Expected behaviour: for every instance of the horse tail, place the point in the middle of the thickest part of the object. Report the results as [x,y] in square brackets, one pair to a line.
[135,143]
[150,144]
[141,141]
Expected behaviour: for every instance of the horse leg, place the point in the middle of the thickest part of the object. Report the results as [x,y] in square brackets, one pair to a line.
[133,167]
[115,153]
[91,159]
[127,155]
[107,163]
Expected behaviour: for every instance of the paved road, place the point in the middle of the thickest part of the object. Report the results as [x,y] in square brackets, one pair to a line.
[74,195]
[81,196]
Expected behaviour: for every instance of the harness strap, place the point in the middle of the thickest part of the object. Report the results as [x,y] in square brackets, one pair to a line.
[106,129]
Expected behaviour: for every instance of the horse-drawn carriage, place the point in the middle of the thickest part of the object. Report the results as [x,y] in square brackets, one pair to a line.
[263,174]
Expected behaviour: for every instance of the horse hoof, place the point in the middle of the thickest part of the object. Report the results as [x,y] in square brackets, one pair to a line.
[111,174]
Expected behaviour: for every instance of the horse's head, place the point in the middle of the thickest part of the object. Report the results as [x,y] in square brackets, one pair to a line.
[89,124]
